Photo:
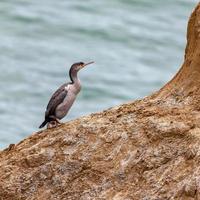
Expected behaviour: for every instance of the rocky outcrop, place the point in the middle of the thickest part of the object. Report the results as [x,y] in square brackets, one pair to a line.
[148,149]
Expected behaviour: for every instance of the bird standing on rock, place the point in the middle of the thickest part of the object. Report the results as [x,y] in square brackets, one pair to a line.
[62,100]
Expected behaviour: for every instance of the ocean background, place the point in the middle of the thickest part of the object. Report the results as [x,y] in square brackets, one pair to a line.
[137,46]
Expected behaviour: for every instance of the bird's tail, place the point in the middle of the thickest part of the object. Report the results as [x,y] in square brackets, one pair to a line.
[43,123]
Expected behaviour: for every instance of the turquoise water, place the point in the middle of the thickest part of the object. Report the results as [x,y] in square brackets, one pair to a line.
[137,46]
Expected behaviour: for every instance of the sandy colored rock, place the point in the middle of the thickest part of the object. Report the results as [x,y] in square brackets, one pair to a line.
[148,149]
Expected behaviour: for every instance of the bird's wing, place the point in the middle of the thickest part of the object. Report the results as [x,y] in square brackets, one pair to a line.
[56,99]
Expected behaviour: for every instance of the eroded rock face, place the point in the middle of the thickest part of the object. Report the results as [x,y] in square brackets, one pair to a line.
[148,149]
[141,150]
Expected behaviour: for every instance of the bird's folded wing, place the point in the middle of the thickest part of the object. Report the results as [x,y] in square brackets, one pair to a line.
[56,99]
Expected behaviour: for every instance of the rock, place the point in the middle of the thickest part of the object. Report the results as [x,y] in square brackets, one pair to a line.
[147,149]
[190,189]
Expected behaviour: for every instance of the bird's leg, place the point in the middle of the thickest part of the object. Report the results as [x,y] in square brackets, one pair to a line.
[52,124]
[55,119]
[49,125]
[59,122]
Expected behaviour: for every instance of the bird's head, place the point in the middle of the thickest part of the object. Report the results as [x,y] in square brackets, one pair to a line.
[75,68]
[80,65]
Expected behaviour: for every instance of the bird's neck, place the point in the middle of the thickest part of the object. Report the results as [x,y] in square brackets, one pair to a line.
[75,80]
[73,76]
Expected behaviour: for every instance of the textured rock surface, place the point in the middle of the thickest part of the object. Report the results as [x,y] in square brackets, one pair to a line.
[148,149]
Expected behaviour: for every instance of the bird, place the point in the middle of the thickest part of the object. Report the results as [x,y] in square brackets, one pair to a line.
[63,98]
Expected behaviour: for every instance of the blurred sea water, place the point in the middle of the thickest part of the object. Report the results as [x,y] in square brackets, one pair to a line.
[137,46]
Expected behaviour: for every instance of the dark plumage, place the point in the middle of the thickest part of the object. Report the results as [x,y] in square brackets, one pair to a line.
[62,100]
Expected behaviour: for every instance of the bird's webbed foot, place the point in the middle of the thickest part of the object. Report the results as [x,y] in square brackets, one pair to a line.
[52,124]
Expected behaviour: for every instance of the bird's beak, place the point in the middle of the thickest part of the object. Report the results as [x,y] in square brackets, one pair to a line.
[88,64]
